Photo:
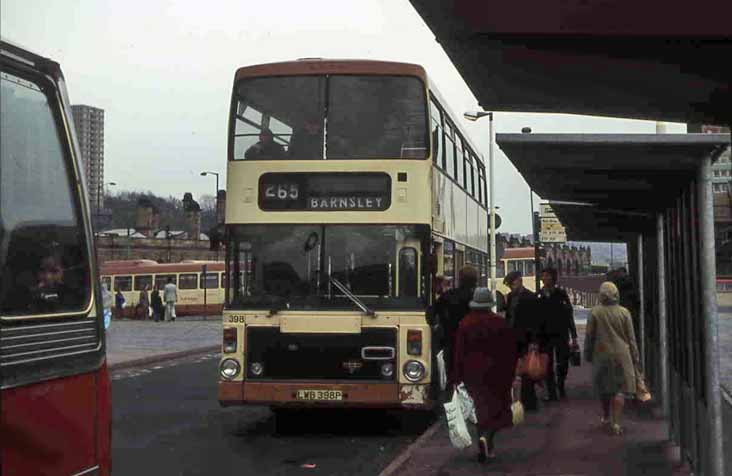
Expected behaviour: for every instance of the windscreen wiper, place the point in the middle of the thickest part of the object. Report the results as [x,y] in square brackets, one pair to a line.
[279,307]
[352,297]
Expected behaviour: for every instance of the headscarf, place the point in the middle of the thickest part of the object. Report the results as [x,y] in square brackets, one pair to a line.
[609,294]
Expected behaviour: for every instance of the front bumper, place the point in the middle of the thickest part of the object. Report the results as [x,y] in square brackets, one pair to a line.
[362,395]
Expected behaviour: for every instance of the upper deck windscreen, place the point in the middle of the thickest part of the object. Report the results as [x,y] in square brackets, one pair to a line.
[330,117]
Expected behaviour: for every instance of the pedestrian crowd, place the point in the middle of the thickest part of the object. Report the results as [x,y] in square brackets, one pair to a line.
[150,304]
[505,356]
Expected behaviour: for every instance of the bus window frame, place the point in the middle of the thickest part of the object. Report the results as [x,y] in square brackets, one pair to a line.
[202,278]
[54,91]
[234,116]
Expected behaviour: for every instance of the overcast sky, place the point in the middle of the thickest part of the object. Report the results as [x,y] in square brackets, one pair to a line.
[162,70]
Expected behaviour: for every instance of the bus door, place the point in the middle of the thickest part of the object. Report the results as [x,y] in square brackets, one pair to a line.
[54,389]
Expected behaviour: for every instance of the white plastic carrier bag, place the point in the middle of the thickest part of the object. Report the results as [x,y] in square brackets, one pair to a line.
[467,404]
[457,429]
[441,370]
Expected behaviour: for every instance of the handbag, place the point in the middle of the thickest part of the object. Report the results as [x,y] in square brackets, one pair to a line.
[457,429]
[642,393]
[517,410]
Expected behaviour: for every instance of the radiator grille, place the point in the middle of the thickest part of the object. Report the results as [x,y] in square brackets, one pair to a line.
[32,342]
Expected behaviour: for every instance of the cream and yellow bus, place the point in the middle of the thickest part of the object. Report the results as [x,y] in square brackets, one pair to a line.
[200,284]
[350,186]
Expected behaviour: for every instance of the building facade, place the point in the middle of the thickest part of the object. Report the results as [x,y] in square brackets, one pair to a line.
[89,123]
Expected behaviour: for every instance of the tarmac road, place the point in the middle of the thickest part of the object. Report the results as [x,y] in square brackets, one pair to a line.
[167,421]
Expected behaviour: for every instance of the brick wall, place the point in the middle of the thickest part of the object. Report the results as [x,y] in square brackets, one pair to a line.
[161,250]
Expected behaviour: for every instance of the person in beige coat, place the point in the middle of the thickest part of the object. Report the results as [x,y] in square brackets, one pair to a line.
[610,346]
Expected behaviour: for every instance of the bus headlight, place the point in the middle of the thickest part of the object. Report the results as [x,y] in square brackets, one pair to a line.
[414,371]
[256,369]
[387,370]
[229,368]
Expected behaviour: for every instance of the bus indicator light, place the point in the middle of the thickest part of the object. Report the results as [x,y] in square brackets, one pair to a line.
[414,342]
[229,340]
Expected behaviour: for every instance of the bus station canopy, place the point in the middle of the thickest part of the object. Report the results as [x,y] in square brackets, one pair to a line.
[653,59]
[607,187]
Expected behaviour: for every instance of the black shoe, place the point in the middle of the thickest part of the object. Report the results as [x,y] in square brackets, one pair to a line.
[562,394]
[550,398]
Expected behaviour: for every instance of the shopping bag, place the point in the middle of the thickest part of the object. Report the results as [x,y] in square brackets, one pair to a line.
[517,410]
[534,365]
[467,404]
[642,392]
[457,429]
[441,370]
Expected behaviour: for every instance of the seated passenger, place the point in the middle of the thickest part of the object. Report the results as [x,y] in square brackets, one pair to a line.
[307,142]
[266,148]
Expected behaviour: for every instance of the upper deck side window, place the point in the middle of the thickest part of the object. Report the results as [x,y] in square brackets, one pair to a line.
[44,261]
[330,117]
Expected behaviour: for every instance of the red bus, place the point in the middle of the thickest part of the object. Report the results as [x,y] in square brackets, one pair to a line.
[55,392]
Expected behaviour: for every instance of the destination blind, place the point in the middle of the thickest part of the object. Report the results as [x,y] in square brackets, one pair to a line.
[340,191]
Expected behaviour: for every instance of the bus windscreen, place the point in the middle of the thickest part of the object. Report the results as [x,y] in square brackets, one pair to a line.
[290,266]
[330,117]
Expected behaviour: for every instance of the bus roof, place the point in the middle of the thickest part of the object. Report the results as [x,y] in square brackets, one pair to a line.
[153,267]
[316,66]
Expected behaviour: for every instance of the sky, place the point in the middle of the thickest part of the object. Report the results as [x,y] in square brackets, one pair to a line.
[163,70]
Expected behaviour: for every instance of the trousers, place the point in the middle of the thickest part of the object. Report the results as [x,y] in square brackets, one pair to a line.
[169,311]
[558,350]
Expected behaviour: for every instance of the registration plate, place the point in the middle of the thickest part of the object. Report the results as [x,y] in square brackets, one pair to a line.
[321,395]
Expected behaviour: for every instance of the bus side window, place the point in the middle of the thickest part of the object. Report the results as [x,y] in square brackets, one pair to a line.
[188,281]
[122,283]
[408,278]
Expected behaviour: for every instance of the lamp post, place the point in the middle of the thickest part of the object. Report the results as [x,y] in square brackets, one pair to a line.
[203,174]
[474,116]
[216,198]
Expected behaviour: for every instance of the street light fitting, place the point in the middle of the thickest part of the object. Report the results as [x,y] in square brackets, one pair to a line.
[475,115]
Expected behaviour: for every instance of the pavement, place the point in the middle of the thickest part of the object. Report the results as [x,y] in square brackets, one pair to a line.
[166,420]
[133,342]
[561,439]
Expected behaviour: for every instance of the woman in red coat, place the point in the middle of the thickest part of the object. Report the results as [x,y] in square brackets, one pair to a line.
[485,360]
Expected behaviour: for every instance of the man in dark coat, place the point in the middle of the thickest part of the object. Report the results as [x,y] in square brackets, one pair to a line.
[628,296]
[558,313]
[521,314]
[266,148]
[454,306]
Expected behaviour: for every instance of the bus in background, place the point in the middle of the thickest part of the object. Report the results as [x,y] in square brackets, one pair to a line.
[200,284]
[54,388]
[351,185]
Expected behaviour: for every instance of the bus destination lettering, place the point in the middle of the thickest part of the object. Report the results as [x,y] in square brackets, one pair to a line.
[345,203]
[336,191]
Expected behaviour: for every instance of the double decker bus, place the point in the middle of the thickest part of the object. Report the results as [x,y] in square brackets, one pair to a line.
[54,388]
[350,186]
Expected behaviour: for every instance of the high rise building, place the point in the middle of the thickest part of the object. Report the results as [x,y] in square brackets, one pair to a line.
[89,122]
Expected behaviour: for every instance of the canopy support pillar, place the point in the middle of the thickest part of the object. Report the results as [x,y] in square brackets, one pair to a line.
[715,463]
